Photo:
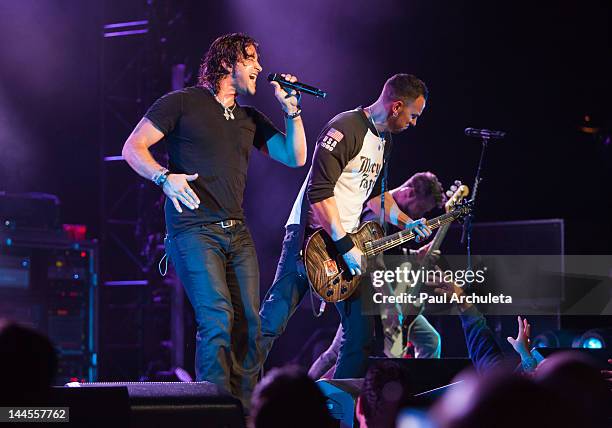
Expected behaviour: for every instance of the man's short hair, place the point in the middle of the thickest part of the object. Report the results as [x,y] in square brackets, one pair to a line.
[288,394]
[386,389]
[427,185]
[404,87]
[228,49]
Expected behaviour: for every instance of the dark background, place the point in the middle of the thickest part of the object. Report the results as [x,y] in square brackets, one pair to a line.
[531,69]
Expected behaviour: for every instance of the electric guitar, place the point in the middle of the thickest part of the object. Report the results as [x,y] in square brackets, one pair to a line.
[327,273]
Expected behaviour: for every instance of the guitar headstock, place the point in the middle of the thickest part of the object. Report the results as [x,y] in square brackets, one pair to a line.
[456,194]
[462,209]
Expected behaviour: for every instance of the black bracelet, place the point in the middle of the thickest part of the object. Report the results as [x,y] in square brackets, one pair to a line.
[162,179]
[344,244]
[293,115]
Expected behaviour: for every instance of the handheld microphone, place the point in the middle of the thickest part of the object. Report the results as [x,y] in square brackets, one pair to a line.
[298,86]
[485,133]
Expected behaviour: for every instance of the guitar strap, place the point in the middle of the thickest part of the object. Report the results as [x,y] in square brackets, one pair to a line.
[383,223]
[383,183]
[303,215]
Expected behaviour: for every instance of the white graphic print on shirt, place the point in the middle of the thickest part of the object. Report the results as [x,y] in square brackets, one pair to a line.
[357,181]
[359,152]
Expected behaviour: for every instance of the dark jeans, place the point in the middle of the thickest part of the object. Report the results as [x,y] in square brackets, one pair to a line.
[219,271]
[287,291]
[289,287]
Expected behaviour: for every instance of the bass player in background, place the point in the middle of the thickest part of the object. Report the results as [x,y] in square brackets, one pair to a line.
[419,195]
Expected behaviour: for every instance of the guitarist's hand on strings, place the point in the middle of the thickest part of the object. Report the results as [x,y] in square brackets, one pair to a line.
[355,261]
[420,229]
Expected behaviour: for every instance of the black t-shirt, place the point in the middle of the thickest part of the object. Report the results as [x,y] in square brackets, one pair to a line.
[200,140]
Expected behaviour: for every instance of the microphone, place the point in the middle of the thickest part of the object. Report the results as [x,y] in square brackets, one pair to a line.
[485,133]
[298,86]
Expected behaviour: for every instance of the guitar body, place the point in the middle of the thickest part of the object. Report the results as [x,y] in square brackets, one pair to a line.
[327,273]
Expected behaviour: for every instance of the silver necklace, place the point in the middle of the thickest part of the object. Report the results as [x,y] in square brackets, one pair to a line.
[371,120]
[227,112]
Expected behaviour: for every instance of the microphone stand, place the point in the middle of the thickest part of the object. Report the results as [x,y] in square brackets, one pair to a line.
[466,235]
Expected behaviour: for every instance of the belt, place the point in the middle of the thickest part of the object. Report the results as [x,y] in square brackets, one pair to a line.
[228,223]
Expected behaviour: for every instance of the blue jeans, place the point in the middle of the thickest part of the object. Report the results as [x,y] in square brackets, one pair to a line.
[287,291]
[358,338]
[219,271]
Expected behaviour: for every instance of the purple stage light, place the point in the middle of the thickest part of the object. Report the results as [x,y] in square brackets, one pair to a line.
[126,33]
[126,24]
[129,28]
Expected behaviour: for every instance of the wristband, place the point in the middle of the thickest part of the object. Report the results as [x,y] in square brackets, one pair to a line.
[162,180]
[293,115]
[158,174]
[161,177]
[344,244]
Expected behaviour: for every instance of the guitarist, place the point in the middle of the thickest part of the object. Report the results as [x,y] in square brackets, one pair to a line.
[420,194]
[346,171]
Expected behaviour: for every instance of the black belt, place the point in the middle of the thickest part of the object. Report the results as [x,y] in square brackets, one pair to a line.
[228,223]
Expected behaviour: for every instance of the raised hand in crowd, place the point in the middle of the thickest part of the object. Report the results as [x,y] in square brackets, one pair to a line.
[522,343]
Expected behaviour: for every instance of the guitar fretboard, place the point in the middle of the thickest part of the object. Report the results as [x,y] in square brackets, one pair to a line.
[399,238]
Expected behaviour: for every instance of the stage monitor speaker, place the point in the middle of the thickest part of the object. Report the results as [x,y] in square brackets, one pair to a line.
[429,379]
[154,404]
[427,374]
[94,407]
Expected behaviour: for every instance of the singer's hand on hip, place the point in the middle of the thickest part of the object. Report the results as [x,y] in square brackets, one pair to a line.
[420,229]
[289,98]
[177,189]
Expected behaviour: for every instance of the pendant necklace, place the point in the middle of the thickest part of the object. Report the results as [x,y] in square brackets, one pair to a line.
[228,113]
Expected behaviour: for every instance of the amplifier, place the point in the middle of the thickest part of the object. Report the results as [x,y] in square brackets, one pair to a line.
[51,286]
[30,210]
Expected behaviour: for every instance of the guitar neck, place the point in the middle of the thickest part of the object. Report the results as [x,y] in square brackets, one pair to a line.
[437,241]
[383,244]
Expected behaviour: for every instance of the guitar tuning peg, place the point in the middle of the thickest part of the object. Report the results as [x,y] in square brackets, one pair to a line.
[457,183]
